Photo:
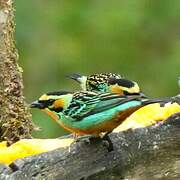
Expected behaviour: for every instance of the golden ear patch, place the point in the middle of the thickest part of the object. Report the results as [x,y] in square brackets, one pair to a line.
[58,103]
[119,89]
[116,89]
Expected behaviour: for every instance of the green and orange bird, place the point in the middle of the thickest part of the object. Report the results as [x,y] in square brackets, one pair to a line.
[87,113]
[107,82]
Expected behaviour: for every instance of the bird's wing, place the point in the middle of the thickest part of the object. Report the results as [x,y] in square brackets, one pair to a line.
[92,103]
[109,101]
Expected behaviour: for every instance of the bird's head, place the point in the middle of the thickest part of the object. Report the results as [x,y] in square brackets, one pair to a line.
[53,102]
[94,82]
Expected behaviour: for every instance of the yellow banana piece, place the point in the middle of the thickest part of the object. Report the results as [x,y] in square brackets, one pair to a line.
[149,115]
[145,116]
[29,147]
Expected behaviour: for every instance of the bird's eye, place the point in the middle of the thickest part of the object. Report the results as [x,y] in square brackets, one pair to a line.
[51,100]
[46,103]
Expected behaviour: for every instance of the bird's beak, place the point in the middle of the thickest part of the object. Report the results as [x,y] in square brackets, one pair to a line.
[75,76]
[36,104]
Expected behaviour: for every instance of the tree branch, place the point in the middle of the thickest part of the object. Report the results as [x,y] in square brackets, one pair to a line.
[140,153]
[15,119]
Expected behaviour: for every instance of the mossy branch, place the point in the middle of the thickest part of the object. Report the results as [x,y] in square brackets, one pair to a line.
[15,119]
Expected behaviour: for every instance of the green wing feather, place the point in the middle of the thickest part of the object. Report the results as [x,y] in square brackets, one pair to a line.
[109,101]
[88,103]
[82,103]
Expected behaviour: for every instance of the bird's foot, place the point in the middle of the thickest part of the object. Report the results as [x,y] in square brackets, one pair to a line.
[89,139]
[109,144]
[14,167]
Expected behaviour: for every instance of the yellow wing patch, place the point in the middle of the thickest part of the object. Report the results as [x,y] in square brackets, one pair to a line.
[148,115]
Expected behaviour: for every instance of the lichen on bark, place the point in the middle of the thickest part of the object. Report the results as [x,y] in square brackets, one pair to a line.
[15,119]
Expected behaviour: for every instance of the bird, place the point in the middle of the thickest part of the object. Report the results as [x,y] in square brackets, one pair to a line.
[107,82]
[88,113]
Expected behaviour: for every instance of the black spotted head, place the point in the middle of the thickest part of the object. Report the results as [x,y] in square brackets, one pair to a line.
[94,82]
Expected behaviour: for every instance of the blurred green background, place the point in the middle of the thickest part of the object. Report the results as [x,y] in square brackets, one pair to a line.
[139,39]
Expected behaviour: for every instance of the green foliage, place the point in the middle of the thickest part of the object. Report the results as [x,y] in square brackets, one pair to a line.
[139,39]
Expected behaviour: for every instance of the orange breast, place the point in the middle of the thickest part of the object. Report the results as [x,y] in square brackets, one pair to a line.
[103,127]
[52,114]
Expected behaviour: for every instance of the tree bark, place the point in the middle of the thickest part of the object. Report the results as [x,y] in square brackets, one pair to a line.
[145,153]
[15,119]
